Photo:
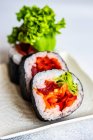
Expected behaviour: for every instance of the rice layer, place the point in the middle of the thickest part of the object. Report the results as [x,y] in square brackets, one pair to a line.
[16,57]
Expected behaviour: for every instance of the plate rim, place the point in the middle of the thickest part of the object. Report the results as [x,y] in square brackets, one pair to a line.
[46,127]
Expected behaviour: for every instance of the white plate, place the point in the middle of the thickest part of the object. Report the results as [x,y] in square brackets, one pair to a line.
[17,116]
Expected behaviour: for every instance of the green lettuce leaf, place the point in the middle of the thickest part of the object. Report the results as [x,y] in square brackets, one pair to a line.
[38,27]
[68,79]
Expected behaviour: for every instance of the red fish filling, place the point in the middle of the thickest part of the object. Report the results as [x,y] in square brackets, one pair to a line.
[54,95]
[25,49]
[45,63]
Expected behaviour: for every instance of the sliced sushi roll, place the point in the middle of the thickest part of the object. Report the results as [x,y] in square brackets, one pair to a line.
[15,56]
[55,94]
[35,63]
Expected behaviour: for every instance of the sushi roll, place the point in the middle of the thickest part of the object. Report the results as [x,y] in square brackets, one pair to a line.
[15,56]
[55,94]
[35,63]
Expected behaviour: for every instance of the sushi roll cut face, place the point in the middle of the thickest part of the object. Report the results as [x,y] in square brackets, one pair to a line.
[20,50]
[15,56]
[38,62]
[56,94]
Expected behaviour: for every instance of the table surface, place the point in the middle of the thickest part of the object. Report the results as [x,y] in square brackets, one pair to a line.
[77,39]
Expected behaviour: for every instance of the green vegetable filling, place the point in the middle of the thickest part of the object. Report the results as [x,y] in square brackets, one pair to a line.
[68,79]
[38,28]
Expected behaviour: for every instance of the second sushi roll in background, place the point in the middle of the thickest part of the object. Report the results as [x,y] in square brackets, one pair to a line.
[31,65]
[16,54]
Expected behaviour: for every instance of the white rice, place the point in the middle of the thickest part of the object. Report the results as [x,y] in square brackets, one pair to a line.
[30,62]
[15,55]
[53,113]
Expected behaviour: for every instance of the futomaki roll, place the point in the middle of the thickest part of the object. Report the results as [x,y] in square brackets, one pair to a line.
[55,94]
[15,55]
[35,63]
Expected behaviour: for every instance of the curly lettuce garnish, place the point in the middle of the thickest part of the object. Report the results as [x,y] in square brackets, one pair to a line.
[38,28]
[67,78]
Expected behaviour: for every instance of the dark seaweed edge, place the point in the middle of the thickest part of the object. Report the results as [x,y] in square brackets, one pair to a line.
[22,81]
[24,92]
[13,71]
[34,104]
[62,61]
[35,107]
